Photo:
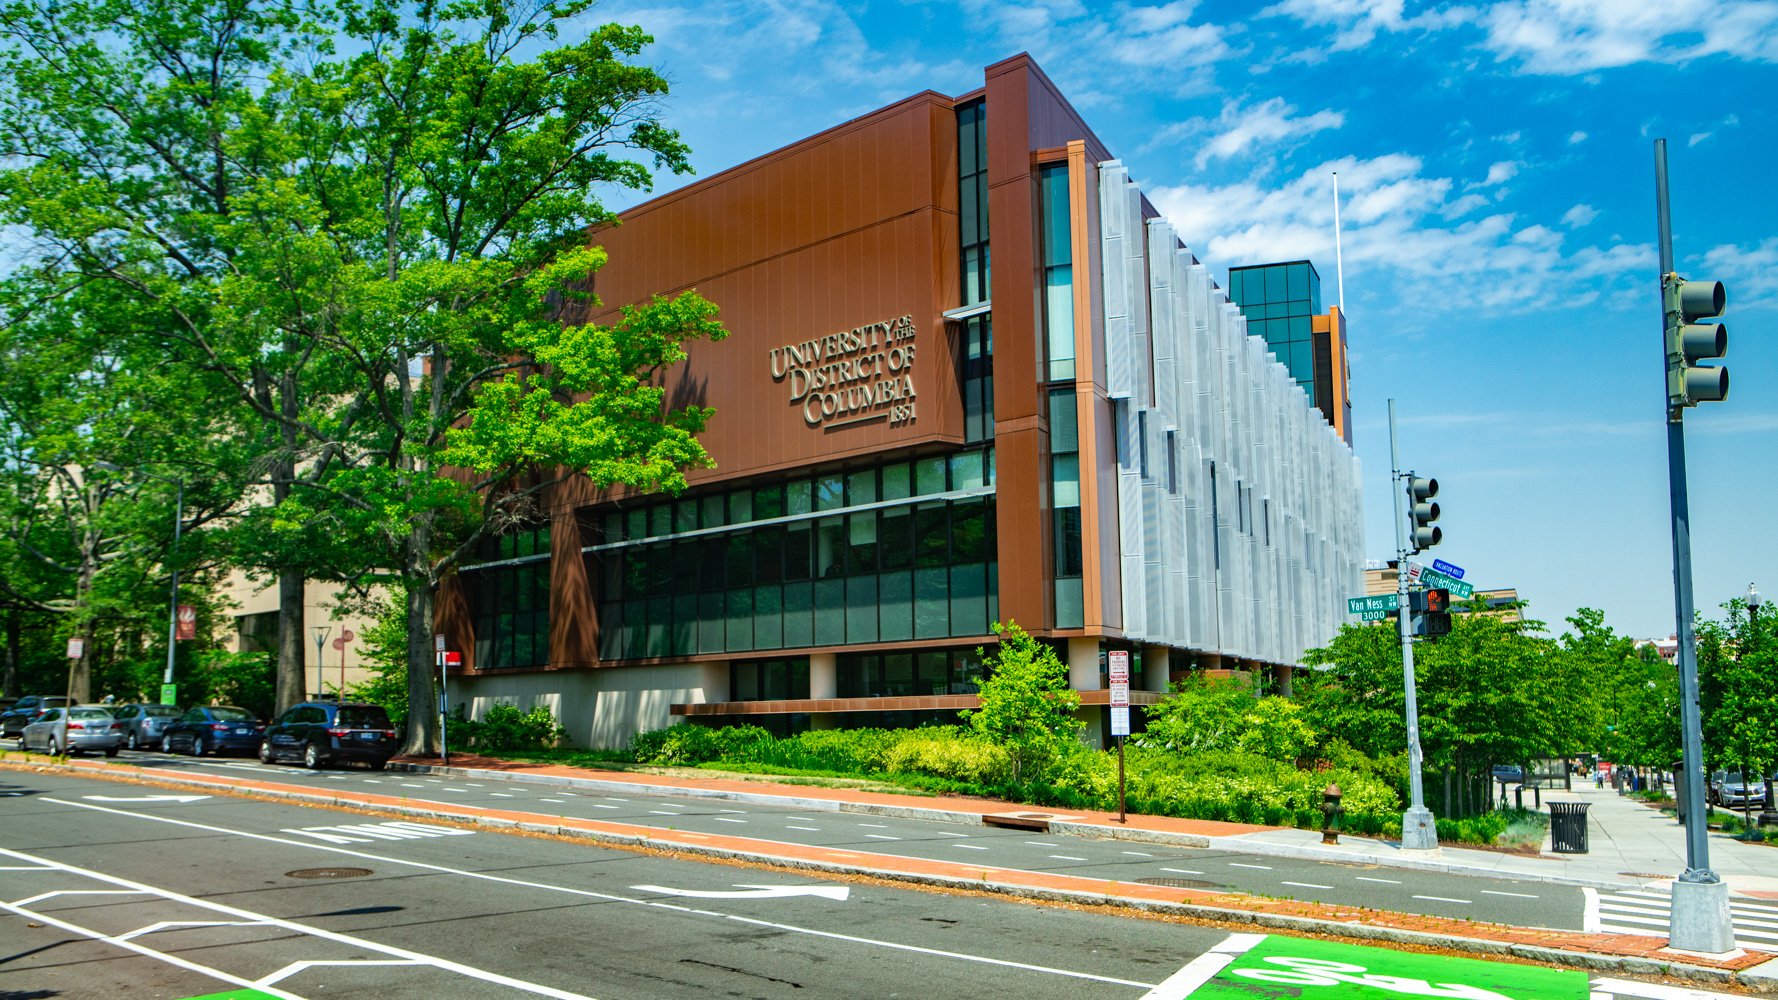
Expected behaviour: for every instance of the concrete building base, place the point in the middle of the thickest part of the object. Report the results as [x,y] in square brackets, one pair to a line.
[1700,921]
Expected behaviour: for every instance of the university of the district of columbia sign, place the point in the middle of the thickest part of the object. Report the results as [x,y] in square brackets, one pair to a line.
[852,377]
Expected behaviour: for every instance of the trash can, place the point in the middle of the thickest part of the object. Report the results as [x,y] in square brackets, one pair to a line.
[1568,827]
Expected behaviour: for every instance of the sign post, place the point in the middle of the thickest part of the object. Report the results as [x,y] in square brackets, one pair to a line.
[76,649]
[438,649]
[1118,663]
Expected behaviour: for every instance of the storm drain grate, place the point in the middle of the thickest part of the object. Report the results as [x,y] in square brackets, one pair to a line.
[1183,883]
[328,873]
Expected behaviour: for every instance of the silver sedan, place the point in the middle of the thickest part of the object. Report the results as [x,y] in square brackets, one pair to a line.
[87,728]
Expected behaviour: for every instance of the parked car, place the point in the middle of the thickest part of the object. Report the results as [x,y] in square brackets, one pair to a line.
[213,729]
[1731,791]
[89,727]
[13,722]
[1511,774]
[323,732]
[143,725]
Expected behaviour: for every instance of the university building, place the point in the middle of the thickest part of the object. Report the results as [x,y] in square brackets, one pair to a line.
[972,377]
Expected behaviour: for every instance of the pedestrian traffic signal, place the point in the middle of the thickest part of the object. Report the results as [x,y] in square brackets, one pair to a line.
[1438,600]
[1422,533]
[1689,341]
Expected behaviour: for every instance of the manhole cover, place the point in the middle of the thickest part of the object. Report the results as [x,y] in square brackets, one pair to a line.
[1183,883]
[328,873]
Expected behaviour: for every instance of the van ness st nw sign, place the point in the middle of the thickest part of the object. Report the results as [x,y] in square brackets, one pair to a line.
[855,376]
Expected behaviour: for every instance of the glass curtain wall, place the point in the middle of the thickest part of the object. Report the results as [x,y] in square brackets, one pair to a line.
[975,354]
[896,552]
[508,596]
[1058,324]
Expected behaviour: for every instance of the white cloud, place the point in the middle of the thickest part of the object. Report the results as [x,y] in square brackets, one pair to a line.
[1405,229]
[1576,137]
[1501,172]
[1242,129]
[1750,273]
[1698,137]
[1567,37]
[1357,22]
[1578,216]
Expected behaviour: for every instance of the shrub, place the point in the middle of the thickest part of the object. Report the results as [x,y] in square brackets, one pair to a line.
[1027,705]
[682,743]
[946,753]
[506,728]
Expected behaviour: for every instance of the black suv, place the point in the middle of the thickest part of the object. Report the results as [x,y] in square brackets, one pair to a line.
[322,732]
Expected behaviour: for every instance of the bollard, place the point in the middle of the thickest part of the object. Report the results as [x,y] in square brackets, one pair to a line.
[1330,815]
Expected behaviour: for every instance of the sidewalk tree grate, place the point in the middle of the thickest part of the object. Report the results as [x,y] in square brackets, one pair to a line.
[328,873]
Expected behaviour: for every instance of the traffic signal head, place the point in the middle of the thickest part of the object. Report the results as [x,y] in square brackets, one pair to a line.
[1689,341]
[1422,511]
[1438,600]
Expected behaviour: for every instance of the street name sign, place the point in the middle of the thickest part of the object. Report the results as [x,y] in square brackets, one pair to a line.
[1372,602]
[1451,570]
[1458,588]
[1375,616]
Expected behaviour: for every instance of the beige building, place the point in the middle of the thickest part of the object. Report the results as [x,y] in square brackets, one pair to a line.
[254,607]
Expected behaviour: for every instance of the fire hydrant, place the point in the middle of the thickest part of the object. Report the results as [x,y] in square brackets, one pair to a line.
[1330,815]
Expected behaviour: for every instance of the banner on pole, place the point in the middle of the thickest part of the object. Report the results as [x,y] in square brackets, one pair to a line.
[185,622]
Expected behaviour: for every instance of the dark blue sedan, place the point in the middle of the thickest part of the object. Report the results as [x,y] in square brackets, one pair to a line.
[213,729]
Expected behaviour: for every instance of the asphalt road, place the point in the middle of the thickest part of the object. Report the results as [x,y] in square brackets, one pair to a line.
[1508,901]
[90,870]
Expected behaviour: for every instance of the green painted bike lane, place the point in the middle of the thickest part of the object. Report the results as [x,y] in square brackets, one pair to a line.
[1251,967]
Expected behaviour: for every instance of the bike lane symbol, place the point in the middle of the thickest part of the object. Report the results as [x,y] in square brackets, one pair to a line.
[1324,970]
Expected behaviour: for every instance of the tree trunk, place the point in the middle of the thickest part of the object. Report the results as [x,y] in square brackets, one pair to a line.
[9,683]
[290,638]
[422,689]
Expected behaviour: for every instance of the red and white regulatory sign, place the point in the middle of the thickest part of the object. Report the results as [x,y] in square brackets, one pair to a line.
[1118,664]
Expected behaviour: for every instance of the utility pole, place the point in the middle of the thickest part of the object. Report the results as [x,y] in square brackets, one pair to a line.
[1419,832]
[1700,920]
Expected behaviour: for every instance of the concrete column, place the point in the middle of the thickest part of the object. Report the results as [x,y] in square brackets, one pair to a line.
[1083,663]
[824,677]
[1283,672]
[1157,668]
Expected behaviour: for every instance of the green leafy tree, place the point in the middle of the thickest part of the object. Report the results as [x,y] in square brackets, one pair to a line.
[1200,714]
[1027,706]
[1738,692]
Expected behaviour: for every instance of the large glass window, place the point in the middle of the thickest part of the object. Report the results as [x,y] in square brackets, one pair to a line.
[1058,271]
[1065,508]
[509,600]
[893,675]
[972,201]
[895,557]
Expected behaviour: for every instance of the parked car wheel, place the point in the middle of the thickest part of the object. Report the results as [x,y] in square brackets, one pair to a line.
[197,746]
[312,757]
[378,765]
[134,742]
[265,752]
[54,749]
[166,744]
[110,751]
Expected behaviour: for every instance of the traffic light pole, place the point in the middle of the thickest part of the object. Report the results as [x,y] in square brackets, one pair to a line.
[1700,898]
[1418,830]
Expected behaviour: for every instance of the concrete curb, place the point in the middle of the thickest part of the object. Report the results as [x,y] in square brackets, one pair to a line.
[1762,978]
[1094,830]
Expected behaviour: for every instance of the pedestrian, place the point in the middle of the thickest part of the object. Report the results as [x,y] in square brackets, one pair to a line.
[1599,779]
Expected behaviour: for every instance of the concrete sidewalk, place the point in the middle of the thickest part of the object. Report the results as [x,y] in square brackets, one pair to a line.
[1629,843]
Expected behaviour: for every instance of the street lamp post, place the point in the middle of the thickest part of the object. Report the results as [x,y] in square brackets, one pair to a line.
[172,563]
[320,633]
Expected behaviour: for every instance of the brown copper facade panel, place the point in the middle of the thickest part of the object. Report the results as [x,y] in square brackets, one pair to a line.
[573,617]
[919,703]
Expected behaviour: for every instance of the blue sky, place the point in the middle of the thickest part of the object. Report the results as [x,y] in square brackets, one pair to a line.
[1496,171]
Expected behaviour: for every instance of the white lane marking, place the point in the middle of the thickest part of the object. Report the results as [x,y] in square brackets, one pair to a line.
[473,784]
[811,829]
[40,897]
[373,781]
[1202,969]
[145,798]
[969,847]
[1648,991]
[881,836]
[1066,857]
[556,801]
[1237,864]
[364,833]
[408,784]
[728,819]
[876,826]
[590,894]
[25,868]
[616,799]
[661,812]
[1043,843]
[1364,878]
[450,789]
[140,888]
[569,794]
[500,795]
[1446,899]
[1589,920]
[1521,895]
[170,924]
[295,967]
[733,812]
[1182,871]
[947,833]
[1139,854]
[1309,885]
[601,805]
[748,891]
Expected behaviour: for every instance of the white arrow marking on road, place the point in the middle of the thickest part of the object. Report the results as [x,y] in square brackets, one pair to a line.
[145,798]
[752,891]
